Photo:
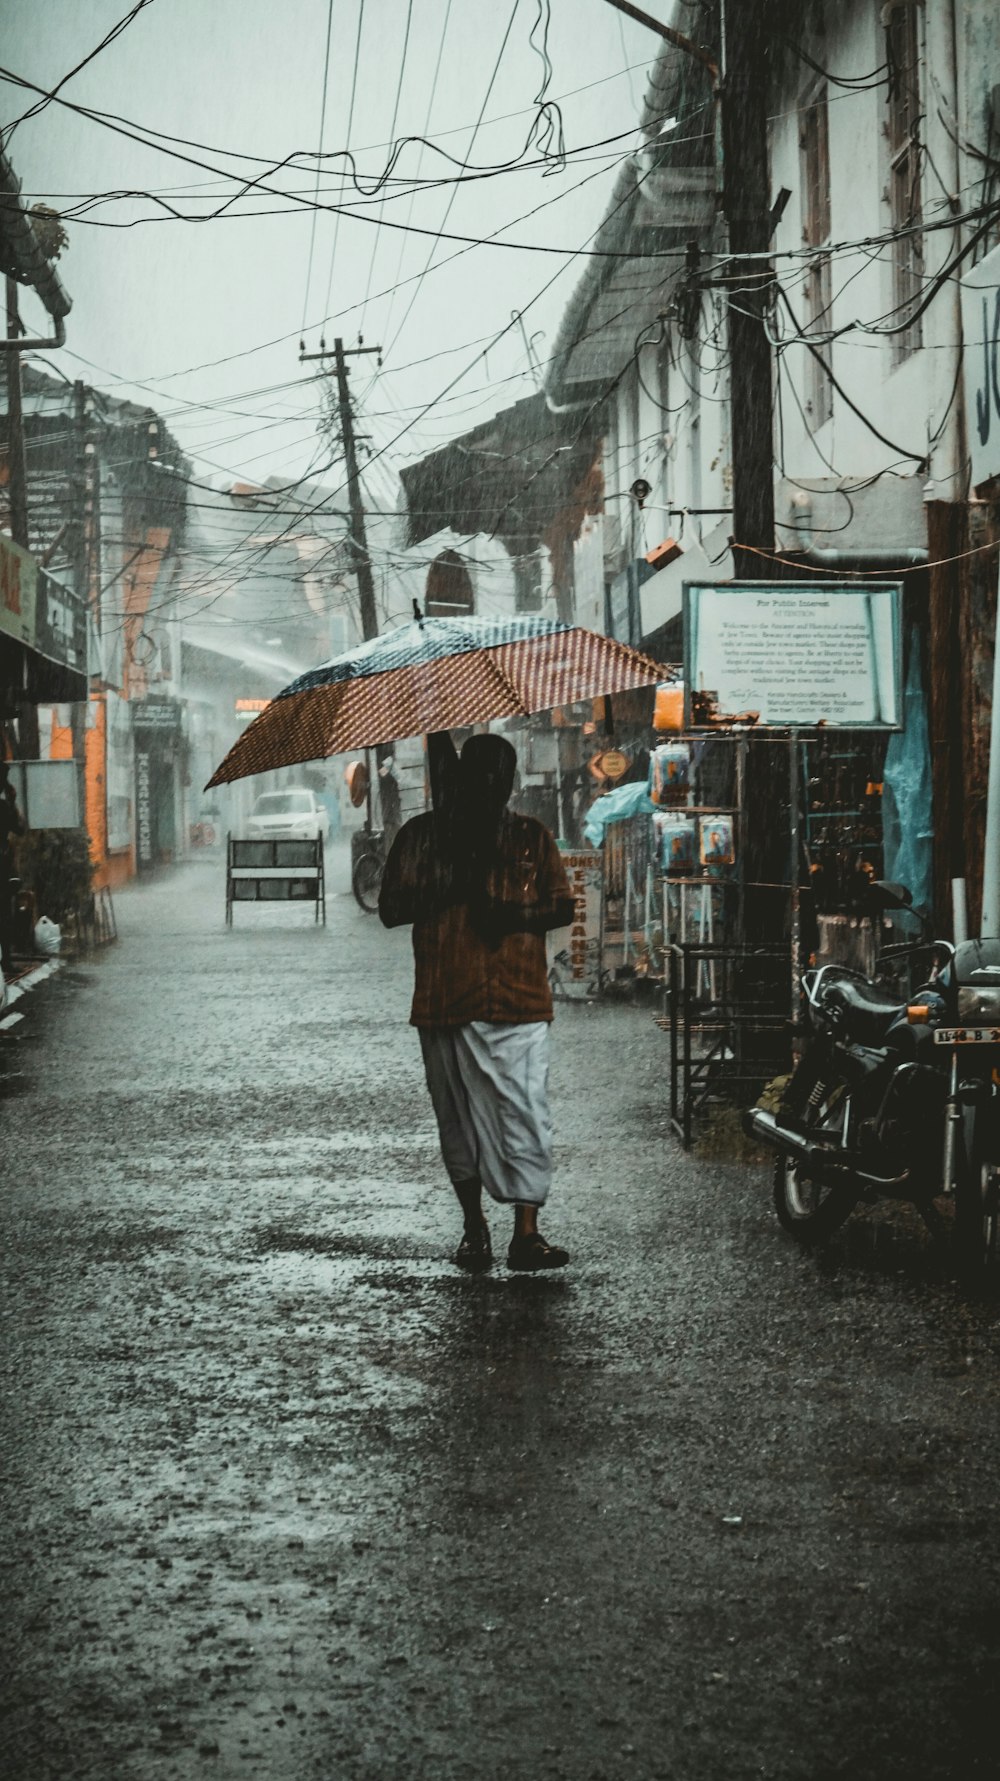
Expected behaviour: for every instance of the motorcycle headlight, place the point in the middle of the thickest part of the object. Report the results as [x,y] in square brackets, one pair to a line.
[979,1002]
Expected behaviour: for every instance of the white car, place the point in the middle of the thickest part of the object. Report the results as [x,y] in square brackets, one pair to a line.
[292,815]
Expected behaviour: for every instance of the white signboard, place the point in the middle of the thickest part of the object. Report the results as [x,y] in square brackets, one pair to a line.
[48,793]
[981,363]
[796,654]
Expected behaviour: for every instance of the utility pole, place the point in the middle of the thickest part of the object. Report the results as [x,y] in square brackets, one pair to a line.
[746,201]
[359,541]
[27,713]
[82,533]
[17,485]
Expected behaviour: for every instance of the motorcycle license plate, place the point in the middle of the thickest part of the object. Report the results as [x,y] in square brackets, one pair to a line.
[967,1036]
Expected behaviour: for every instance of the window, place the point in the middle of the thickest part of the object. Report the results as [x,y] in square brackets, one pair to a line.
[449,587]
[903,54]
[814,147]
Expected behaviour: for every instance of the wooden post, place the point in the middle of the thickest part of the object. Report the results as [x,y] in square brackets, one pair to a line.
[27,713]
[947,538]
[745,87]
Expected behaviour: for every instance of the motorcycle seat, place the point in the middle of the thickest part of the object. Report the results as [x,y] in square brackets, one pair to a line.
[868,1012]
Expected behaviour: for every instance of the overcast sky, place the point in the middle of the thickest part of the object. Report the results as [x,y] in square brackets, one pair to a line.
[202,319]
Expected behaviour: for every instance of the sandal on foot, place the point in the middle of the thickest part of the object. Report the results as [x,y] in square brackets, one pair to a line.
[530,1255]
[475,1252]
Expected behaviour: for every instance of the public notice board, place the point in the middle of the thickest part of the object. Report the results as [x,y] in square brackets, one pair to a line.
[795,654]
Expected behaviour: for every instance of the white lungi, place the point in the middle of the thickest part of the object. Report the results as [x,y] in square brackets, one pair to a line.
[490,1087]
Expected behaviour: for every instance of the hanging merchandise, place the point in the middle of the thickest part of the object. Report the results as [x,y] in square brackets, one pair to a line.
[678,843]
[669,772]
[716,840]
[668,710]
[907,814]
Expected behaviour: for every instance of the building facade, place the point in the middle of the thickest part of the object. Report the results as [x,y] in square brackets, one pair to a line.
[880,291]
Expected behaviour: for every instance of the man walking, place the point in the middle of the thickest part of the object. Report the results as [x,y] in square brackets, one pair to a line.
[482,887]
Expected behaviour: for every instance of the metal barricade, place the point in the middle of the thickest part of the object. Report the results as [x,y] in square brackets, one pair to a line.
[729,1024]
[275,871]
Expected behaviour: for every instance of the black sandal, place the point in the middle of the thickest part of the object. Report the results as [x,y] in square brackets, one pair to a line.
[475,1252]
[532,1255]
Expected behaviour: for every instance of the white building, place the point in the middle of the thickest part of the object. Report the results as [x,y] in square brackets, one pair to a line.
[883,124]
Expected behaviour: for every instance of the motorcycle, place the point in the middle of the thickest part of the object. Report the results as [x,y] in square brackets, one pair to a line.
[895,1096]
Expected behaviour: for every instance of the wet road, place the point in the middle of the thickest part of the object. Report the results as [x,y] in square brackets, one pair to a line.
[287,1496]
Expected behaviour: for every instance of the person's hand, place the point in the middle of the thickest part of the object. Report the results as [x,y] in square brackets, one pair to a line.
[494,919]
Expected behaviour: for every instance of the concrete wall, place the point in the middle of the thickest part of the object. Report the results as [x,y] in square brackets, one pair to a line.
[910,400]
[670,414]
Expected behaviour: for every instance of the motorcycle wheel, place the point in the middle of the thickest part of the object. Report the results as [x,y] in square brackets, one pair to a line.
[366,881]
[977,1207]
[813,1210]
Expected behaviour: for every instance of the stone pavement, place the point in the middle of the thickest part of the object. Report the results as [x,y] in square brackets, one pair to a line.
[286,1496]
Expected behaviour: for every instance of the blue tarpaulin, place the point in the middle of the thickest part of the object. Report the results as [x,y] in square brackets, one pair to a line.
[624,801]
[907,817]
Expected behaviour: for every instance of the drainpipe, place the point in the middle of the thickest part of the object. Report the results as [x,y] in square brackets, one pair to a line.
[21,344]
[28,265]
[900,556]
[884,557]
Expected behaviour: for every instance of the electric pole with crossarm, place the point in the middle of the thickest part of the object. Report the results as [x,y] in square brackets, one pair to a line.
[358,538]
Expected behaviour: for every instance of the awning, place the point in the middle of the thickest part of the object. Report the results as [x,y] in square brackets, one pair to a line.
[528,477]
[663,199]
[506,476]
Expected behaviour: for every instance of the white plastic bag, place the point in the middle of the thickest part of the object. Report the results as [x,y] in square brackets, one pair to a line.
[48,937]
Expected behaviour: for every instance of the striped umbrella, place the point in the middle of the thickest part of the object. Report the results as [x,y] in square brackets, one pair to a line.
[433,674]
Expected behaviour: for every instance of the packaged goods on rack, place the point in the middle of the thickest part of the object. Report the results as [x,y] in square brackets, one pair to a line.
[842,827]
[716,840]
[678,841]
[668,711]
[669,772]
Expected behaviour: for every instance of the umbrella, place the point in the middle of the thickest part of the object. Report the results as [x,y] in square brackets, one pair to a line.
[433,674]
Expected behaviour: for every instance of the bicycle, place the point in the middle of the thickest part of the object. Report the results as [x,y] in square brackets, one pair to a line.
[369,850]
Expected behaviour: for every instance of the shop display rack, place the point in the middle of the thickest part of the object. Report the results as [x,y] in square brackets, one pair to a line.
[729,1024]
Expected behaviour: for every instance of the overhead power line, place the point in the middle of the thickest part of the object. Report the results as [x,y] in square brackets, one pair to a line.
[47,97]
[319,158]
[392,133]
[350,125]
[472,143]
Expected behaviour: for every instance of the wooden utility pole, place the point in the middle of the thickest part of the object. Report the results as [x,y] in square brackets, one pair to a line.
[359,540]
[17,484]
[746,200]
[17,490]
[82,533]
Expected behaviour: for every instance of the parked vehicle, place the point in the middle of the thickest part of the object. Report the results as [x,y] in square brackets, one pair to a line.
[294,814]
[896,1096]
